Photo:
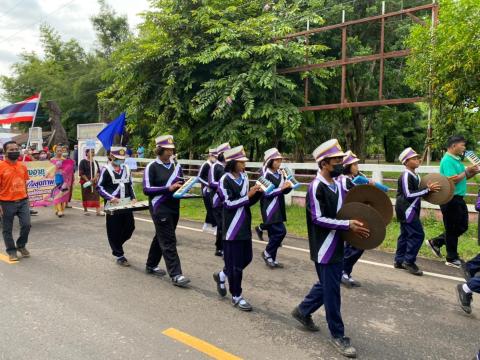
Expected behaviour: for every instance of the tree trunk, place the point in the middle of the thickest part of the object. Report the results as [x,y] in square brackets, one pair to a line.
[359,143]
[60,136]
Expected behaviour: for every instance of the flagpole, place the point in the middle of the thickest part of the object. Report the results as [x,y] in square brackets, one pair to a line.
[33,122]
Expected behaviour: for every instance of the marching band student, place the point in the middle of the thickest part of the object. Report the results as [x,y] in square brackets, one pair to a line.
[216,172]
[272,207]
[210,224]
[351,254]
[237,199]
[407,208]
[161,179]
[114,185]
[324,200]
[471,271]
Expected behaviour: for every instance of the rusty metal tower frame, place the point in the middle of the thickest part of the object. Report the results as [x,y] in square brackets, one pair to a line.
[345,60]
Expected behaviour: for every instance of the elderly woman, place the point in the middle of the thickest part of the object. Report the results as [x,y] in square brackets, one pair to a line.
[89,172]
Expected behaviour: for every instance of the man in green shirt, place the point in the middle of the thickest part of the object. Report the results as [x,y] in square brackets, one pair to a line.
[455,212]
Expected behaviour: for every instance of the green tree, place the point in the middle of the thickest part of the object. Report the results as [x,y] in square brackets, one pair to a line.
[447,61]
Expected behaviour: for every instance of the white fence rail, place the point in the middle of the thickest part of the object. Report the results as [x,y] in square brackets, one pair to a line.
[305,172]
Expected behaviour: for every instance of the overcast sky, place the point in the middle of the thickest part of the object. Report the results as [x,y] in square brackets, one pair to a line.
[20,20]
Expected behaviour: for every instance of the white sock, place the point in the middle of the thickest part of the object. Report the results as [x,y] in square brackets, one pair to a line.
[260,228]
[345,276]
[236,298]
[267,255]
[222,277]
[466,289]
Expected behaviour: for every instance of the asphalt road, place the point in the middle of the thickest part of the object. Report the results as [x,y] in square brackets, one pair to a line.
[71,301]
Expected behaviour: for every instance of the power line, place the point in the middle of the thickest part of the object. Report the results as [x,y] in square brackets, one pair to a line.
[36,22]
[13,7]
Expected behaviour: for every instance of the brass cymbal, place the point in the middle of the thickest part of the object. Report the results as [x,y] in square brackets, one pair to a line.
[374,197]
[447,188]
[371,220]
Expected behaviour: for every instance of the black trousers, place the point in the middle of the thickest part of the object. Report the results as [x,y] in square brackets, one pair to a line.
[455,221]
[209,218]
[120,228]
[238,254]
[164,244]
[217,213]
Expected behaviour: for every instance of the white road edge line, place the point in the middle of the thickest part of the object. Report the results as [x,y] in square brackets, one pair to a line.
[373,263]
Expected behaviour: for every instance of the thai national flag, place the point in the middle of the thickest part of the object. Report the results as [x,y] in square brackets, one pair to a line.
[23,111]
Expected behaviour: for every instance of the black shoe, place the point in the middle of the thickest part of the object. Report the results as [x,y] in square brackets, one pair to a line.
[268,261]
[435,249]
[24,252]
[398,265]
[306,321]
[218,252]
[259,232]
[180,281]
[242,304]
[343,346]
[221,291]
[466,273]
[413,269]
[123,261]
[33,212]
[456,263]
[464,299]
[155,271]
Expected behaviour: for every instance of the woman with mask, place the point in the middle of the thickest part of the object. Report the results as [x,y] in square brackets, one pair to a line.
[237,198]
[89,172]
[115,185]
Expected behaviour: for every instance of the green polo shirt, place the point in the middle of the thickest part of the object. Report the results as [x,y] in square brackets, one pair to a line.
[452,165]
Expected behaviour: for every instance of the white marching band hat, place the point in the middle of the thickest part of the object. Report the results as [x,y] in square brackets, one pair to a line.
[328,149]
[350,158]
[165,141]
[272,154]
[237,153]
[406,154]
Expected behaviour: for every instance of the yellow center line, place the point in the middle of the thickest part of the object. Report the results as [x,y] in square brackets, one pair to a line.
[5,258]
[200,345]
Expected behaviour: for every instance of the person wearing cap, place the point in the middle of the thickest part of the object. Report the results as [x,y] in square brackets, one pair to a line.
[210,224]
[272,207]
[161,179]
[455,212]
[237,198]
[351,254]
[324,200]
[216,172]
[115,185]
[407,208]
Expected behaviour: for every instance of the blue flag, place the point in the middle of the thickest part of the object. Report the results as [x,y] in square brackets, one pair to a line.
[116,127]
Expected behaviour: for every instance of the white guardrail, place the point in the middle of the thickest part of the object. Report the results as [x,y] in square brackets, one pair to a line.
[305,172]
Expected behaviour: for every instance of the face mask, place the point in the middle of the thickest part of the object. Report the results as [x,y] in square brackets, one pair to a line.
[118,162]
[65,154]
[337,170]
[43,157]
[13,155]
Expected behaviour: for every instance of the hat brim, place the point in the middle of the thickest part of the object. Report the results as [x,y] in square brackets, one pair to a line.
[239,159]
[274,158]
[119,157]
[169,146]
[334,155]
[410,157]
[352,162]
